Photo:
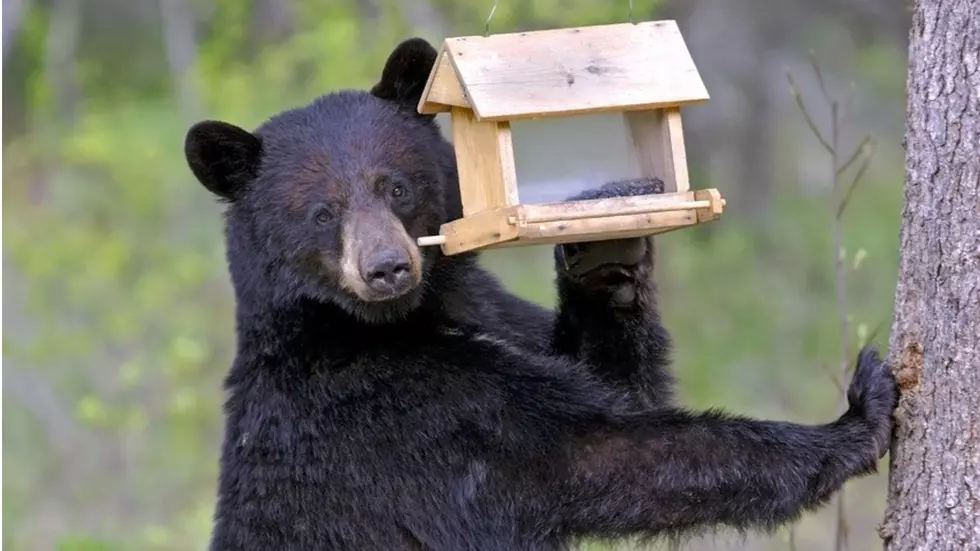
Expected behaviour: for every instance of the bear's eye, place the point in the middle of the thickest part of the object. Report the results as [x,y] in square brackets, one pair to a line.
[398,191]
[322,216]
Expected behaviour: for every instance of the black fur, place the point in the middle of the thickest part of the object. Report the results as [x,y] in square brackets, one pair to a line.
[462,417]
[223,157]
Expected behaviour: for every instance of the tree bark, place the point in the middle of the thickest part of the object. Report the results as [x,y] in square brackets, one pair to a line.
[934,485]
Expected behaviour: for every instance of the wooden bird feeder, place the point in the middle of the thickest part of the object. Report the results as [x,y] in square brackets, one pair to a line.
[642,70]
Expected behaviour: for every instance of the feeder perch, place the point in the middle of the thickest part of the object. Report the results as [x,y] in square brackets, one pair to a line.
[642,70]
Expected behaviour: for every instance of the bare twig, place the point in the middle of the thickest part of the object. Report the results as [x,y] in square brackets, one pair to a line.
[840,539]
[841,197]
[816,71]
[867,152]
[848,98]
[806,113]
[858,151]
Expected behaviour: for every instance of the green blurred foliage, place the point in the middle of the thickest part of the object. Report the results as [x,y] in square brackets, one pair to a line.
[119,313]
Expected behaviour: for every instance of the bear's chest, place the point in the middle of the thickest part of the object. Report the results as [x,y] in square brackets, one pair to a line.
[373,427]
[418,466]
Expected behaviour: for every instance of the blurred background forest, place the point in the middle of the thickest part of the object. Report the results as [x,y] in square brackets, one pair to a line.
[117,307]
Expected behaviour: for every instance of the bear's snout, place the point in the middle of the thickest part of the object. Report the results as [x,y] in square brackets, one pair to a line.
[380,260]
[388,272]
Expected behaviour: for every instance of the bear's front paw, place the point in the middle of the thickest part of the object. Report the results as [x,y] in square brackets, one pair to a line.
[614,268]
[873,395]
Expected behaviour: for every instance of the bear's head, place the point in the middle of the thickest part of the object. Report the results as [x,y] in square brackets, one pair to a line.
[325,201]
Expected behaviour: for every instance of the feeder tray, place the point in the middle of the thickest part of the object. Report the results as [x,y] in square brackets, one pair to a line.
[642,70]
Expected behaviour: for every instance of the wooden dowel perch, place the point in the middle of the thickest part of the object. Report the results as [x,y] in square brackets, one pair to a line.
[431,240]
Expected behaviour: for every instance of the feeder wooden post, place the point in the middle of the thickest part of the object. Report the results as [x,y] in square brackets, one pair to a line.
[657,137]
[485,161]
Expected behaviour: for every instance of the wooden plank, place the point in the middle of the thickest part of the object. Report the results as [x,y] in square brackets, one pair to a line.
[442,90]
[479,231]
[485,161]
[678,152]
[611,206]
[578,70]
[596,220]
[509,226]
[606,227]
[626,234]
[605,236]
[657,138]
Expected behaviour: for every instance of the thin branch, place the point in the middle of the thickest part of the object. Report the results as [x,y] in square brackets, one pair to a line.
[841,532]
[806,113]
[865,162]
[843,528]
[863,151]
[816,70]
[854,156]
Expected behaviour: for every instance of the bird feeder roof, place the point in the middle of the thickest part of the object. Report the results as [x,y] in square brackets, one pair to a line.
[563,72]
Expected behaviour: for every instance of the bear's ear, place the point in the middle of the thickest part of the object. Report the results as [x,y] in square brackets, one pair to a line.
[406,72]
[222,156]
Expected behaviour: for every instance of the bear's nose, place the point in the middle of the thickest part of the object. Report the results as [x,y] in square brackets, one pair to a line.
[388,274]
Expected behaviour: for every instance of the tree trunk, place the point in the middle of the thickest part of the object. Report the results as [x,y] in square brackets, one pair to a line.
[934,486]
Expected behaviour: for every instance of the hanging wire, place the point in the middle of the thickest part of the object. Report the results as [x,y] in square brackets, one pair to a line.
[486,29]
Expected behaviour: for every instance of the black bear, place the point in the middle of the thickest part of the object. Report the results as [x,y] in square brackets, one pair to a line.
[386,397]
